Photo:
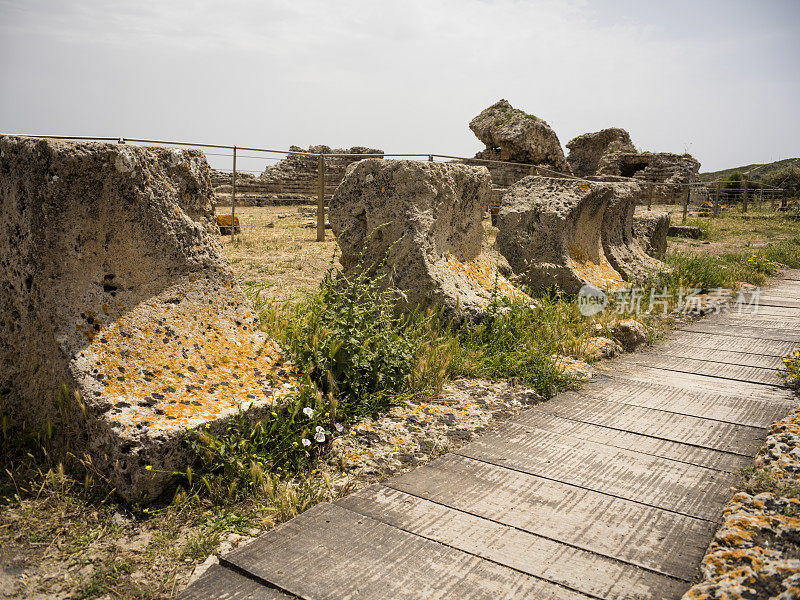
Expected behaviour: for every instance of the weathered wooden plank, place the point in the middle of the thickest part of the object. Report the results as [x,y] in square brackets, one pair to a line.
[758,375]
[684,488]
[730,357]
[691,381]
[581,570]
[219,583]
[773,306]
[736,330]
[756,322]
[729,408]
[701,339]
[542,418]
[715,437]
[773,301]
[609,526]
[330,552]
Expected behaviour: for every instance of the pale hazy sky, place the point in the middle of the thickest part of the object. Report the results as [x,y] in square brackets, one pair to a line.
[719,79]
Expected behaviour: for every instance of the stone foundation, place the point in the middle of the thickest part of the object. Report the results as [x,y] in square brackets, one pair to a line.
[550,233]
[419,224]
[114,286]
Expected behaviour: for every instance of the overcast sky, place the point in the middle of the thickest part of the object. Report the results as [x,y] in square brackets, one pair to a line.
[718,79]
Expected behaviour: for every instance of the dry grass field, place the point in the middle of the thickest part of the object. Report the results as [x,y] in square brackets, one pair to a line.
[275,250]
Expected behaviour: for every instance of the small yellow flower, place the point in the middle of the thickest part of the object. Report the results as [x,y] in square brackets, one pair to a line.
[149,467]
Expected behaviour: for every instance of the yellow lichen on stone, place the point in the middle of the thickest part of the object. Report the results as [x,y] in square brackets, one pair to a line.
[598,272]
[482,273]
[184,366]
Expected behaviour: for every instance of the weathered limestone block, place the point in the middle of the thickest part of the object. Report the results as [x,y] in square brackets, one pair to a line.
[586,151]
[631,334]
[687,231]
[601,347]
[550,233]
[224,224]
[419,223]
[513,135]
[651,228]
[113,285]
[623,249]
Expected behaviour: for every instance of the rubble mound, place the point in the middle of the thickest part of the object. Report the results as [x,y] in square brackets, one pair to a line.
[114,287]
[651,229]
[585,151]
[550,231]
[513,135]
[419,225]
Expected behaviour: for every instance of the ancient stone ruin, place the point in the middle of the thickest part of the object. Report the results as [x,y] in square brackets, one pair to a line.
[293,179]
[586,151]
[568,233]
[114,286]
[609,153]
[516,136]
[652,228]
[624,250]
[419,224]
[652,167]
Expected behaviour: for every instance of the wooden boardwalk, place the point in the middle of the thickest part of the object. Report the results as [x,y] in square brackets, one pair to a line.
[613,491]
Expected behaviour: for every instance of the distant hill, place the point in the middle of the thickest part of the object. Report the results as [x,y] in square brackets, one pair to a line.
[755,171]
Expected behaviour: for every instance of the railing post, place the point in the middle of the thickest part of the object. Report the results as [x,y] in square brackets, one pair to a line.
[760,196]
[686,202]
[321,200]
[430,158]
[715,209]
[233,196]
[744,196]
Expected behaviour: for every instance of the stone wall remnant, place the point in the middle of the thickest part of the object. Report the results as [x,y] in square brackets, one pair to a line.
[586,151]
[653,167]
[651,229]
[550,231]
[113,285]
[513,135]
[420,225]
[294,178]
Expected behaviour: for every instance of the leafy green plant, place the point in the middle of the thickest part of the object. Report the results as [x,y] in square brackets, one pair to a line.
[517,342]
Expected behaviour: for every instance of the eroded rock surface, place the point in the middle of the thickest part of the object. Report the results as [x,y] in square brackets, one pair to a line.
[420,225]
[651,229]
[513,135]
[586,151]
[114,285]
[421,430]
[631,334]
[601,347]
[622,247]
[550,233]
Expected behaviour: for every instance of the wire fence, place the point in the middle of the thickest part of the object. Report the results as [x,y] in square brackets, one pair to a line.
[292,175]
